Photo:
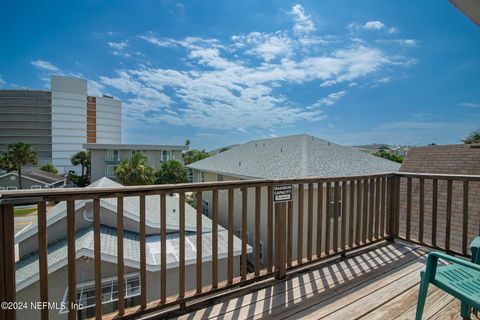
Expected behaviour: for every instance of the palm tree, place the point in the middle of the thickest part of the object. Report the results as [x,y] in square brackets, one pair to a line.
[473,137]
[19,155]
[81,158]
[48,167]
[172,171]
[135,171]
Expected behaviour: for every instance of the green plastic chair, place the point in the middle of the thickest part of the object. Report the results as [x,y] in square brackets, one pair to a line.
[460,279]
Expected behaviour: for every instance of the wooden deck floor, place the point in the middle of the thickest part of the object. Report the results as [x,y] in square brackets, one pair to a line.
[379,284]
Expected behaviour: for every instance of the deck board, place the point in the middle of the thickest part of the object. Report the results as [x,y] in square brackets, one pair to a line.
[378,284]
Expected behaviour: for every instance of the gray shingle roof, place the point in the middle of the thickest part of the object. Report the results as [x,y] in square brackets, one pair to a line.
[131,211]
[297,156]
[27,266]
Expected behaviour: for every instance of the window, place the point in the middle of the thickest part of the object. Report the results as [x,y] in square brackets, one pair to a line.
[219,177]
[36,186]
[262,255]
[205,208]
[112,155]
[166,155]
[111,171]
[203,176]
[332,202]
[86,296]
[11,188]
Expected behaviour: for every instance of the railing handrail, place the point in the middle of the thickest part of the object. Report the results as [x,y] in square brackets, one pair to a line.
[440,176]
[90,193]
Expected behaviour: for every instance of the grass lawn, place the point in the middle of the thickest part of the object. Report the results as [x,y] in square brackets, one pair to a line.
[24,211]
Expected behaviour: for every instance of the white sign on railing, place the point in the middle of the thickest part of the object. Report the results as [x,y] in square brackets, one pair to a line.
[283,193]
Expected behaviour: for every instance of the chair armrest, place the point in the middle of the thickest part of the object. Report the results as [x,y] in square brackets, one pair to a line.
[434,256]
[475,243]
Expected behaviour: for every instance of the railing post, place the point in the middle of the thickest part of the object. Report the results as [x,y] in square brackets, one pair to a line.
[7,260]
[391,207]
[280,238]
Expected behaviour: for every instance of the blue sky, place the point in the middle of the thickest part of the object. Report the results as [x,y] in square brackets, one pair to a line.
[224,72]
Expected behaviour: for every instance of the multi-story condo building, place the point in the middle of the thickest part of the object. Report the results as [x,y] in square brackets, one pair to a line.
[106,157]
[58,122]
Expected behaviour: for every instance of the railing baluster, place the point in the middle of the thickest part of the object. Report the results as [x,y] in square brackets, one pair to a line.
[434,211]
[310,222]
[319,218]
[465,217]
[409,208]
[358,221]
[7,260]
[163,248]
[289,233]
[365,211]
[72,278]
[42,256]
[351,209]
[97,253]
[120,260]
[198,263]
[230,236]
[336,214]
[258,203]
[270,229]
[327,218]
[243,271]
[396,201]
[371,205]
[422,210]
[181,262]
[344,213]
[143,255]
[215,238]
[300,224]
[383,211]
[449,215]
[377,206]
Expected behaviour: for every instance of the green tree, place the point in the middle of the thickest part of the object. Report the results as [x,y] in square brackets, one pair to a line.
[172,172]
[194,155]
[19,155]
[384,154]
[48,167]
[473,137]
[82,158]
[135,171]
[5,163]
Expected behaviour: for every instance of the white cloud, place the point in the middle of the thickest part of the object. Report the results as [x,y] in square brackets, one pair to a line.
[223,85]
[45,65]
[303,21]
[95,88]
[118,45]
[470,104]
[329,100]
[2,82]
[401,42]
[373,25]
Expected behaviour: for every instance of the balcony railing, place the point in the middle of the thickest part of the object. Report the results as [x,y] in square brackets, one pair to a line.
[328,217]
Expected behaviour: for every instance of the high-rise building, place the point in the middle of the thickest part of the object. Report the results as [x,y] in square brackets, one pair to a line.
[58,122]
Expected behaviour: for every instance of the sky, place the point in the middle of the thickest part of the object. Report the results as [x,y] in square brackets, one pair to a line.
[225,72]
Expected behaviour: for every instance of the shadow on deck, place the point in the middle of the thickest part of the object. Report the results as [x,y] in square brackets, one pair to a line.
[381,283]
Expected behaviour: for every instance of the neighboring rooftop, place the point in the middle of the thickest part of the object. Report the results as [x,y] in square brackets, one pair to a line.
[445,159]
[122,146]
[38,176]
[293,157]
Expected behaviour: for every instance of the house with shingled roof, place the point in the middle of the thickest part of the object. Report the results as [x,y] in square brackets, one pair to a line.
[297,156]
[27,273]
